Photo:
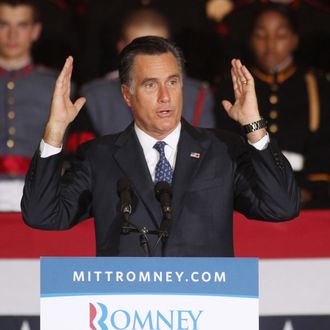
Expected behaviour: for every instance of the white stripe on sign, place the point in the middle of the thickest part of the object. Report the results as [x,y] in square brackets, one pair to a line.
[19,287]
[294,287]
[287,287]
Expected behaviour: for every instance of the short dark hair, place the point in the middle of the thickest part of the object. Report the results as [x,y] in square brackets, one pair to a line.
[148,45]
[284,10]
[30,3]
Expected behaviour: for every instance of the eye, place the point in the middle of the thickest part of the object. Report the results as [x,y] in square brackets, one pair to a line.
[149,85]
[173,82]
[259,33]
[24,25]
[283,34]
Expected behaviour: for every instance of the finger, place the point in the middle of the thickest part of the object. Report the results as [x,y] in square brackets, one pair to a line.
[67,77]
[236,65]
[68,81]
[234,69]
[227,105]
[79,103]
[61,79]
[237,90]
[242,79]
[66,68]
[245,76]
[248,75]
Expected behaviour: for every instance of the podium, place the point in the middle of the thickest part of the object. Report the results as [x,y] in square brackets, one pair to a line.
[149,293]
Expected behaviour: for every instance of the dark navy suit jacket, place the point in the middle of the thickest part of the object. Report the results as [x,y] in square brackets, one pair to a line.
[230,174]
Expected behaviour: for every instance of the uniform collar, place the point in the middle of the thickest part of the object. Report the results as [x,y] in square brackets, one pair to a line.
[275,78]
[23,71]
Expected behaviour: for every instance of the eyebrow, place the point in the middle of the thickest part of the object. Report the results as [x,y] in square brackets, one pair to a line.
[146,80]
[173,76]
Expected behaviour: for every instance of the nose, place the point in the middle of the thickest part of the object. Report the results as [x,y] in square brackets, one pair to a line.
[271,44]
[12,33]
[164,95]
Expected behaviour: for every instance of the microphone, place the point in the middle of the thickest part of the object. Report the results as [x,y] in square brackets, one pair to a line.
[125,194]
[124,190]
[163,193]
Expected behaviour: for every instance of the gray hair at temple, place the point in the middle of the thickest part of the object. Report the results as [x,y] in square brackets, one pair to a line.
[149,45]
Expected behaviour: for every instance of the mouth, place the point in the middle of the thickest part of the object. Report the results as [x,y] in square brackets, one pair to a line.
[164,113]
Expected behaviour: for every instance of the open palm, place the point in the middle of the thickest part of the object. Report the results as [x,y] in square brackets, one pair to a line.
[245,107]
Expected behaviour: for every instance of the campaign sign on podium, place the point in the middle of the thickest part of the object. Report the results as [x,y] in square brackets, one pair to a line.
[149,293]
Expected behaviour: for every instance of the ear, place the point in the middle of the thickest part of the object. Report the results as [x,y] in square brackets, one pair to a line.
[126,95]
[37,27]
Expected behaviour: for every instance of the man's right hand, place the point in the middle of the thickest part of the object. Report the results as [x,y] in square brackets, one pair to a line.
[62,110]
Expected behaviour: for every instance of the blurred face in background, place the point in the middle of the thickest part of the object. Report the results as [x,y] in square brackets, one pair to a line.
[18,31]
[272,41]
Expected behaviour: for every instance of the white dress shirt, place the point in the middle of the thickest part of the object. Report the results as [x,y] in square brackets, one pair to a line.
[152,155]
[147,142]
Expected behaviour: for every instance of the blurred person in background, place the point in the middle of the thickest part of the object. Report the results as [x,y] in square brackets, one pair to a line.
[230,18]
[25,93]
[190,29]
[294,101]
[106,108]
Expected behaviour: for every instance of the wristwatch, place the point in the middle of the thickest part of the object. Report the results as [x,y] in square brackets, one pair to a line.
[252,127]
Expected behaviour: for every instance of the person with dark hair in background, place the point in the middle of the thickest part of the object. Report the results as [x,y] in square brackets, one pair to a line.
[198,175]
[189,28]
[25,93]
[294,101]
[105,106]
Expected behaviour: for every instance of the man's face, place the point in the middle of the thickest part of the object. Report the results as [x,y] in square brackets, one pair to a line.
[272,40]
[155,94]
[17,31]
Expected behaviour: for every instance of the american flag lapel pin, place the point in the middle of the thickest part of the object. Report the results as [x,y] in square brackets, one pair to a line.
[196,155]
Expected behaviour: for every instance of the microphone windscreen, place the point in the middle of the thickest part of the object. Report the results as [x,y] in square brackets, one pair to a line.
[123,184]
[162,187]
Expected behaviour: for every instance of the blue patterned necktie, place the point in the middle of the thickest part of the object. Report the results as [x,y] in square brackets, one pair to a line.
[164,170]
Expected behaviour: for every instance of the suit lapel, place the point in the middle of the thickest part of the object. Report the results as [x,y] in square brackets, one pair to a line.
[131,160]
[191,153]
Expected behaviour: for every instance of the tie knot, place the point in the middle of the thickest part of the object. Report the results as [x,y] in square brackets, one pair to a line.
[159,146]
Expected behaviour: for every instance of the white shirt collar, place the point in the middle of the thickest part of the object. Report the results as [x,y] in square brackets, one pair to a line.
[152,155]
[147,142]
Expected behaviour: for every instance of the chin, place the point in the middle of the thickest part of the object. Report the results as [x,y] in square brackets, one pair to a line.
[166,129]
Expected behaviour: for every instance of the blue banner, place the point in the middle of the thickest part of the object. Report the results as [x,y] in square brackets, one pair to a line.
[234,277]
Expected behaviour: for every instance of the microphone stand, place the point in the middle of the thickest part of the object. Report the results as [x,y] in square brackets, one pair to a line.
[144,242]
[127,228]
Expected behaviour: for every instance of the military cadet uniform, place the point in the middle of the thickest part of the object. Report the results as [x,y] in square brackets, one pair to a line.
[296,105]
[25,96]
[109,113]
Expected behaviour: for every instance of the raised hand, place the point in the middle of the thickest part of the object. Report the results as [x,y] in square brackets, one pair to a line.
[62,111]
[245,108]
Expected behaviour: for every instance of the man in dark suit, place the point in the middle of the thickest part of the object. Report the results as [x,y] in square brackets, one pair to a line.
[214,172]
